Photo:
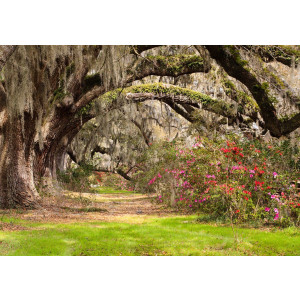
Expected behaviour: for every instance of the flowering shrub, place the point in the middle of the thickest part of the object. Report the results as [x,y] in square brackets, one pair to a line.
[241,180]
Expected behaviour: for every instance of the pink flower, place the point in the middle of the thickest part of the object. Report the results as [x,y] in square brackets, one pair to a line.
[276,210]
[276,217]
[267,209]
[275,174]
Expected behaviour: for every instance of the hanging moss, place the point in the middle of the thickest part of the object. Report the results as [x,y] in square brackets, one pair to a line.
[113,64]
[70,70]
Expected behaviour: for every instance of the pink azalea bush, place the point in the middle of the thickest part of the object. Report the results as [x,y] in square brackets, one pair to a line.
[241,180]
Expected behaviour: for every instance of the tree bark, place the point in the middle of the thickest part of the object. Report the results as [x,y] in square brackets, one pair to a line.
[48,159]
[17,187]
[231,62]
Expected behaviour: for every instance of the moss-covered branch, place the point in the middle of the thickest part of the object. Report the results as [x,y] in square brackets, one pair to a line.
[246,104]
[284,54]
[173,65]
[290,124]
[229,58]
[169,94]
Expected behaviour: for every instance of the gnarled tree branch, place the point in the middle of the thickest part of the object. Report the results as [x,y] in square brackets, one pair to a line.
[229,58]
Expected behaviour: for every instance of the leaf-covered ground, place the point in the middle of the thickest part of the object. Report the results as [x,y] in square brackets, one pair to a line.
[130,224]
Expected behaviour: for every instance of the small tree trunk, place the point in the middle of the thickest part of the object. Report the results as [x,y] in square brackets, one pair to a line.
[173,194]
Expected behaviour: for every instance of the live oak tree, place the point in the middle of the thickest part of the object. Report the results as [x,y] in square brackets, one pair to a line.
[186,102]
[47,93]
[43,91]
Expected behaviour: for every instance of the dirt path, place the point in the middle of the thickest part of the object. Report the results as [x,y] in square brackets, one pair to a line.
[76,207]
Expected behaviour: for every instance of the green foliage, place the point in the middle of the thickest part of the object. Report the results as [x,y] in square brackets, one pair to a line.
[86,109]
[59,93]
[77,178]
[114,183]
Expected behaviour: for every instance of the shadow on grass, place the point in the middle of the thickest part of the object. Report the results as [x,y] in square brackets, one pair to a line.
[84,209]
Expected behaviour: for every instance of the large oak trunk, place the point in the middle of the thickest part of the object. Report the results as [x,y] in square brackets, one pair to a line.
[63,128]
[17,187]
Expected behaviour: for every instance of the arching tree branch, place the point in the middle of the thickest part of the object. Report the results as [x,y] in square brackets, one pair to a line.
[229,58]
[116,171]
[173,65]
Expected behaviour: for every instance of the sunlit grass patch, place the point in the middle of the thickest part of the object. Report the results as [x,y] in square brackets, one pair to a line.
[147,235]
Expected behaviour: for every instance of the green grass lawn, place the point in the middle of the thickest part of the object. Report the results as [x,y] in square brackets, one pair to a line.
[140,235]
